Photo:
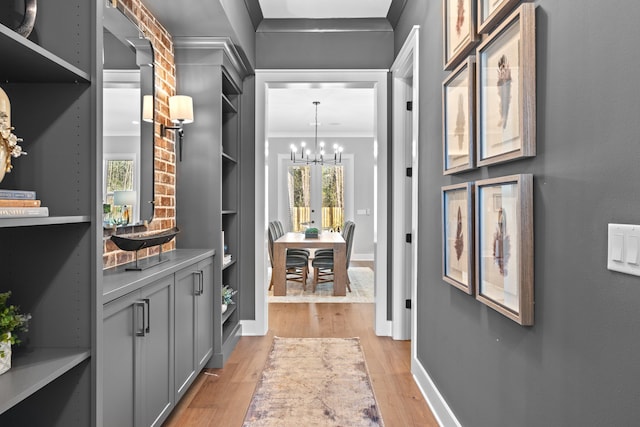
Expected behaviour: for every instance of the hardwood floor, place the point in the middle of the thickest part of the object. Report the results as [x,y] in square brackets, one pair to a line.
[220,397]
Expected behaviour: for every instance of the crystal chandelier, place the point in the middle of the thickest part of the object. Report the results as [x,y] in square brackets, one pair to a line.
[319,155]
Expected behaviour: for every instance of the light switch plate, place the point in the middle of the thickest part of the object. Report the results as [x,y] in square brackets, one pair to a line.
[624,248]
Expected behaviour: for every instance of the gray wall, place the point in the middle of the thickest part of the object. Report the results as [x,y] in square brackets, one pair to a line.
[362,151]
[578,365]
[334,50]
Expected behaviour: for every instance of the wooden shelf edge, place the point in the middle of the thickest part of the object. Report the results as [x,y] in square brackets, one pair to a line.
[229,264]
[227,105]
[32,371]
[229,312]
[228,157]
[40,221]
[229,338]
[10,40]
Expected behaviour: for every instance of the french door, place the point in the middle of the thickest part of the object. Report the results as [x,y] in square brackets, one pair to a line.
[316,196]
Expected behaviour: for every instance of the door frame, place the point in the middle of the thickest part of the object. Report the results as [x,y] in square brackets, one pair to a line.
[405,67]
[266,79]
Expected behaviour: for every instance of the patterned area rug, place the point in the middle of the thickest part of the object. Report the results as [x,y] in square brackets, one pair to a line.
[314,382]
[362,289]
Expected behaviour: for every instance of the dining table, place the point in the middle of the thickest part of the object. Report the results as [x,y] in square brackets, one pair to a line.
[326,239]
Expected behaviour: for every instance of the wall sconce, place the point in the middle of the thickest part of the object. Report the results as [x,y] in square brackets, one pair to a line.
[180,112]
[147,108]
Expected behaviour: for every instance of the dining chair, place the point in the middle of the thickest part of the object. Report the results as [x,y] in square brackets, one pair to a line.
[293,251]
[329,251]
[323,266]
[296,265]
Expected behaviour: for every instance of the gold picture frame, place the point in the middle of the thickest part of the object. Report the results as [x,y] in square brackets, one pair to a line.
[458,236]
[504,246]
[458,119]
[506,90]
[459,27]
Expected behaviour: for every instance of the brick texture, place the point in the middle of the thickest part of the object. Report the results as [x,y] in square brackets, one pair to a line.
[164,216]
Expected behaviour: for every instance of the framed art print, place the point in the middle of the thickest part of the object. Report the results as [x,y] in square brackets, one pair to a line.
[504,246]
[490,12]
[460,36]
[458,118]
[457,236]
[506,90]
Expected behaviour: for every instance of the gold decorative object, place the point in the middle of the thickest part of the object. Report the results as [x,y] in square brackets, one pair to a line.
[8,140]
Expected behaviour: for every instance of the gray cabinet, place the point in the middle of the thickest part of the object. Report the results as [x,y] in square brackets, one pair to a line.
[193,322]
[212,71]
[158,334]
[138,357]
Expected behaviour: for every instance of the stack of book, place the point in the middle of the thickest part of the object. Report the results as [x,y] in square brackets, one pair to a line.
[21,204]
[227,259]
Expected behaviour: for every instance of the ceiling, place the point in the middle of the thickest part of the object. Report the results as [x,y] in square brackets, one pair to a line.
[343,111]
[324,9]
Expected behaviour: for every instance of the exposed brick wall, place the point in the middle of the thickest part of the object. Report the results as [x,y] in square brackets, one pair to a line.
[164,216]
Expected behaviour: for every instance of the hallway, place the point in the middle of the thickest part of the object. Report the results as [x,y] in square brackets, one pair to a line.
[220,397]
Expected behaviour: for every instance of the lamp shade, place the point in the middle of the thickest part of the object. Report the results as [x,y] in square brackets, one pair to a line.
[147,108]
[181,109]
[124,198]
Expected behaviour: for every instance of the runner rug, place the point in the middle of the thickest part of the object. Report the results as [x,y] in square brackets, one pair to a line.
[314,382]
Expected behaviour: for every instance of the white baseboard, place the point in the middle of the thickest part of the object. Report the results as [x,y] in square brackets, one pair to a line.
[362,257]
[252,328]
[439,407]
[384,329]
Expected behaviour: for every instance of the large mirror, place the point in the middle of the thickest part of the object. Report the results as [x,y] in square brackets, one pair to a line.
[128,122]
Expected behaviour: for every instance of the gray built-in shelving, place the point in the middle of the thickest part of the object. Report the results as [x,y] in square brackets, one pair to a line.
[208,178]
[51,264]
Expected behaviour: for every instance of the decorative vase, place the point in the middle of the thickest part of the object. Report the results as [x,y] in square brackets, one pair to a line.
[224,308]
[5,356]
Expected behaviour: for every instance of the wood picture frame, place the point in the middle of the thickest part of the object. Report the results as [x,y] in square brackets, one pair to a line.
[491,12]
[459,28]
[458,236]
[458,119]
[504,246]
[506,90]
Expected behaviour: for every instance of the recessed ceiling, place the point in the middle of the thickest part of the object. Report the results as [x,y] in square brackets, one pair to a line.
[342,112]
[323,9]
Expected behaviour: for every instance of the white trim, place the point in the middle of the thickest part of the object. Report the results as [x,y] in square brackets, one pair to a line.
[253,328]
[405,66]
[376,79]
[363,257]
[439,407]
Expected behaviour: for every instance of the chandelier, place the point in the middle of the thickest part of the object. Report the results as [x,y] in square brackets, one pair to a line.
[319,154]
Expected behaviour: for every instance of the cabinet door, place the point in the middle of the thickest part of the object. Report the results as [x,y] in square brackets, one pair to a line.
[121,320]
[156,361]
[187,285]
[204,312]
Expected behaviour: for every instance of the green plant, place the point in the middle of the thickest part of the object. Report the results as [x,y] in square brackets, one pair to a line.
[11,320]
[227,294]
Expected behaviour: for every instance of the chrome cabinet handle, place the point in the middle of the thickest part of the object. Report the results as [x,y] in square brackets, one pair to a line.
[140,332]
[200,289]
[147,301]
